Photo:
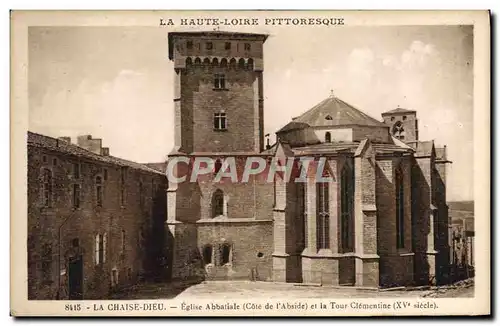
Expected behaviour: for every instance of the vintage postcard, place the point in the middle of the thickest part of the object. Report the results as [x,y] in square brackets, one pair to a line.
[250,163]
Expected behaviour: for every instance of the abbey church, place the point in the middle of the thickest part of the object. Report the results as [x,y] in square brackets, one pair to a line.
[381,220]
[376,216]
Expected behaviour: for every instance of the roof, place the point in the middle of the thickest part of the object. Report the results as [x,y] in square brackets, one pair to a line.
[348,147]
[398,110]
[61,146]
[214,34]
[425,148]
[332,111]
[158,166]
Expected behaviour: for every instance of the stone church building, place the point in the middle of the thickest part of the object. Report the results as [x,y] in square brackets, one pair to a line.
[381,220]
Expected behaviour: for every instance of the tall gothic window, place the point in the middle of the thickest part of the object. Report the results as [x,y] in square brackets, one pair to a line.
[398,131]
[323,215]
[47,187]
[346,207]
[218,203]
[400,209]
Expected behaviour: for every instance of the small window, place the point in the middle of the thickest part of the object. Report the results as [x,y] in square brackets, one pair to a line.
[114,277]
[76,170]
[99,191]
[218,203]
[404,117]
[247,47]
[123,242]
[54,161]
[328,117]
[220,121]
[225,254]
[75,242]
[47,188]
[209,46]
[44,159]
[122,185]
[101,248]
[189,45]
[392,118]
[76,195]
[141,195]
[207,254]
[328,137]
[105,174]
[227,46]
[219,81]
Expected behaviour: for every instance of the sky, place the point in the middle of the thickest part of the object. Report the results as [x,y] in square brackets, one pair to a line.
[116,83]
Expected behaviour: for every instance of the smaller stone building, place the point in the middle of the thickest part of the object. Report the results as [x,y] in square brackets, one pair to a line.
[94,220]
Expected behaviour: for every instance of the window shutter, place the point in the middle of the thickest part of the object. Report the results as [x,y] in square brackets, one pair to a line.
[97,249]
[104,240]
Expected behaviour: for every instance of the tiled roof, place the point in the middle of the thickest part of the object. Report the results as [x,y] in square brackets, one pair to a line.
[332,111]
[42,141]
[399,110]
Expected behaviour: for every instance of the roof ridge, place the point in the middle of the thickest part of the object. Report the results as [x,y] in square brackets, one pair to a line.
[90,154]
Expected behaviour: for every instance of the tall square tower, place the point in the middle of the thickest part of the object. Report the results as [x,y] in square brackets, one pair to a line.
[218,91]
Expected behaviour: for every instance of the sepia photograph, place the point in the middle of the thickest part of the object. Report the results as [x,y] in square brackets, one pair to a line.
[222,162]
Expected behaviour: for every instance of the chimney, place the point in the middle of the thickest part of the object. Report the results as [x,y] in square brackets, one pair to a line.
[105,151]
[90,144]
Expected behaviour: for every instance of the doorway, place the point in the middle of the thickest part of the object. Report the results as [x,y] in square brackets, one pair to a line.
[75,278]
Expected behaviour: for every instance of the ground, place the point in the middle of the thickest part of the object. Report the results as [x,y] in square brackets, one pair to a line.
[247,289]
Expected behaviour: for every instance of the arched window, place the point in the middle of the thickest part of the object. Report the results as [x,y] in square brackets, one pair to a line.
[218,203]
[47,187]
[98,190]
[223,63]
[207,254]
[189,61]
[400,209]
[241,63]
[328,137]
[197,61]
[328,117]
[347,207]
[250,64]
[323,215]
[398,131]
[232,63]
[206,61]
[225,254]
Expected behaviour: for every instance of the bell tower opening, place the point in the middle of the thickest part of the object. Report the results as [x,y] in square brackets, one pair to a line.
[403,124]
